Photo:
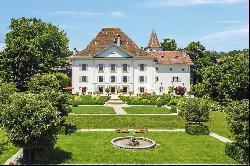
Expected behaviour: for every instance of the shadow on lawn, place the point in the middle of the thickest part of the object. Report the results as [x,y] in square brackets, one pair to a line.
[59,156]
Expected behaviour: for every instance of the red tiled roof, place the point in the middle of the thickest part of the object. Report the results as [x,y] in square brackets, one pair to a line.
[107,37]
[153,41]
[171,57]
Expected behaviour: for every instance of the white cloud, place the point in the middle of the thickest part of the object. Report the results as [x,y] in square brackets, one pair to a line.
[193,2]
[228,33]
[117,14]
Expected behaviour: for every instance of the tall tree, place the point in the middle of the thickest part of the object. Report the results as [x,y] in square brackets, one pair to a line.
[196,51]
[32,47]
[227,79]
[169,45]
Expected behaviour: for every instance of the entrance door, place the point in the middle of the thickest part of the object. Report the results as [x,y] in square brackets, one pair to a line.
[112,90]
[101,90]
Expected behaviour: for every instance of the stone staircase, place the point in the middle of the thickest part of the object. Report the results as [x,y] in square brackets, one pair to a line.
[114,100]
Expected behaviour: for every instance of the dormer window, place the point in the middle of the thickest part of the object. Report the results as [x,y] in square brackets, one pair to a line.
[176,57]
[162,57]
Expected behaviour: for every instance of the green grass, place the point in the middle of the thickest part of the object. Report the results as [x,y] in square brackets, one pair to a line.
[174,148]
[146,110]
[93,110]
[6,149]
[218,124]
[126,121]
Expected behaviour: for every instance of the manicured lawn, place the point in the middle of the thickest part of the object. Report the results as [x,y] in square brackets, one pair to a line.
[218,124]
[6,149]
[126,121]
[174,148]
[146,110]
[93,110]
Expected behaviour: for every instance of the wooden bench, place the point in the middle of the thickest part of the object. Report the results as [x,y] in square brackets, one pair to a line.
[140,130]
[122,130]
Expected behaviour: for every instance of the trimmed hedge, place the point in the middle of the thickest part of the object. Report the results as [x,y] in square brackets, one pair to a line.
[237,153]
[88,100]
[195,129]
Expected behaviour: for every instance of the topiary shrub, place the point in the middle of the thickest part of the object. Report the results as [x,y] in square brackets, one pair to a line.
[196,112]
[173,109]
[237,153]
[31,122]
[196,129]
[238,122]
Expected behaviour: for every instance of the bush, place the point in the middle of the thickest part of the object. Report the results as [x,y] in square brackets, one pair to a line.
[180,90]
[88,100]
[63,79]
[194,129]
[43,82]
[173,109]
[31,122]
[238,122]
[237,153]
[6,90]
[195,110]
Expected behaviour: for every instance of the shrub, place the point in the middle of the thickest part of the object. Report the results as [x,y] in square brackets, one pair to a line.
[42,82]
[173,109]
[195,110]
[180,90]
[6,90]
[237,153]
[144,94]
[170,89]
[31,122]
[238,122]
[194,129]
[63,79]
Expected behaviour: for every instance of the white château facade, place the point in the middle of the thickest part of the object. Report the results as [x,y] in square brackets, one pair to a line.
[113,60]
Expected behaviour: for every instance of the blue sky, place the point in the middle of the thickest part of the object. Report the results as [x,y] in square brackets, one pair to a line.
[220,25]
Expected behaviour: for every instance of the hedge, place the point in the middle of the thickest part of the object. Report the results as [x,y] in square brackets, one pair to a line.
[195,129]
[237,153]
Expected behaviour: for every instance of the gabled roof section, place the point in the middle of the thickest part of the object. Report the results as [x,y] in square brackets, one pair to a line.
[172,57]
[153,41]
[107,37]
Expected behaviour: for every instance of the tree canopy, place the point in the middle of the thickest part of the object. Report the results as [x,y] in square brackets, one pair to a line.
[169,44]
[227,79]
[32,47]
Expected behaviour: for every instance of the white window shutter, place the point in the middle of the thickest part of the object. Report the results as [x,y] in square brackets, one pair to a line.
[80,79]
[86,67]
[145,67]
[86,79]
[80,67]
[145,79]
[97,79]
[179,79]
[138,78]
[128,79]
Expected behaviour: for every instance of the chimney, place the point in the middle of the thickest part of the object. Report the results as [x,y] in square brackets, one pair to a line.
[75,51]
[118,42]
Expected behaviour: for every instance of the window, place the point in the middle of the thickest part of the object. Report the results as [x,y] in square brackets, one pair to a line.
[84,78]
[142,89]
[124,79]
[84,67]
[171,69]
[112,79]
[175,79]
[84,90]
[100,89]
[100,79]
[161,89]
[101,67]
[142,67]
[183,69]
[142,79]
[162,56]
[112,67]
[125,89]
[156,68]
[124,67]
[156,78]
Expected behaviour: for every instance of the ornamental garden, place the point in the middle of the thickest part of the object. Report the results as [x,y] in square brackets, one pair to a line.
[48,125]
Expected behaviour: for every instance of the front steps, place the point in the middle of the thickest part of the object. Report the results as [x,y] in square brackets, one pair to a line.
[114,100]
